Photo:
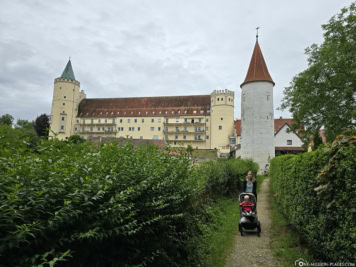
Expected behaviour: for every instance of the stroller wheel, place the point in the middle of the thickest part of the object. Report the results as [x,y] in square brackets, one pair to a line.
[242,233]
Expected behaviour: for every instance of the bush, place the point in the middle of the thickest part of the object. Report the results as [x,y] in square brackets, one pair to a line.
[316,191]
[77,204]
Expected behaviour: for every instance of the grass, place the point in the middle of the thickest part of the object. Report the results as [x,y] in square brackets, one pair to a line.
[286,244]
[219,240]
[204,154]
[260,179]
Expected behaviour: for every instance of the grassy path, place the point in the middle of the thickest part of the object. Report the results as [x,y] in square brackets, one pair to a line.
[251,250]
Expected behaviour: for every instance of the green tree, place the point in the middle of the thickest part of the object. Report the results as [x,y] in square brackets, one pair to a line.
[42,125]
[24,124]
[6,119]
[325,93]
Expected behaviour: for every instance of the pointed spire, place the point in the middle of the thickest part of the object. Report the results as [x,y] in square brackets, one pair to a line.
[68,71]
[257,70]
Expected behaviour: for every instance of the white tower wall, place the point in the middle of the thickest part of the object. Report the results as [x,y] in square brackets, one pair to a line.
[257,119]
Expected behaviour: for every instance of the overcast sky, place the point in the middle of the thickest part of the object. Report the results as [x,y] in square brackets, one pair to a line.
[133,48]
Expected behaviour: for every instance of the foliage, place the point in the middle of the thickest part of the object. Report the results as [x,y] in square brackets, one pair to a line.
[76,139]
[6,119]
[78,204]
[324,94]
[317,141]
[316,191]
[42,125]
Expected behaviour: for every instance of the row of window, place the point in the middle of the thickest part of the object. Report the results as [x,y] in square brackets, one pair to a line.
[197,137]
[153,112]
[222,99]
[197,129]
[119,129]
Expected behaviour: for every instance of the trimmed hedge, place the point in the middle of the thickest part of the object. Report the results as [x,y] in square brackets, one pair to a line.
[316,192]
[86,205]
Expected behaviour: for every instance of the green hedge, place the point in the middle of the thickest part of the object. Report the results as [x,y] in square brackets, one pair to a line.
[77,204]
[316,192]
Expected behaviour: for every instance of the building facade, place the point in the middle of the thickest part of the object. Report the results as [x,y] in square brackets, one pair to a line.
[202,121]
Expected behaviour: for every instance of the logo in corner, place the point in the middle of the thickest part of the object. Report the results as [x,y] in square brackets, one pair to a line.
[300,262]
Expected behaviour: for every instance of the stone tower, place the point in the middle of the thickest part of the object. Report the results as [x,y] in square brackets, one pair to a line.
[222,119]
[66,97]
[257,119]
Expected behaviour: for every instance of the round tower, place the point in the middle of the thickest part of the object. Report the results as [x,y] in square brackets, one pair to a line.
[66,97]
[257,119]
[222,119]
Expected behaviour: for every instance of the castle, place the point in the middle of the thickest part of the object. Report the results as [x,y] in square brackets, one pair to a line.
[202,121]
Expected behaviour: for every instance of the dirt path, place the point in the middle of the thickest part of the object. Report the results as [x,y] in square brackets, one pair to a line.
[251,250]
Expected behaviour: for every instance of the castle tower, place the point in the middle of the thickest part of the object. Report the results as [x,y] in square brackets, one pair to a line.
[66,97]
[257,131]
[222,119]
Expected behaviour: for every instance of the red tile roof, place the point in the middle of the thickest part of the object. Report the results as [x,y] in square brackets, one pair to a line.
[145,106]
[257,70]
[278,124]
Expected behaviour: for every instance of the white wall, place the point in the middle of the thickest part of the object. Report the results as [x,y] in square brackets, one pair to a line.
[280,139]
[257,122]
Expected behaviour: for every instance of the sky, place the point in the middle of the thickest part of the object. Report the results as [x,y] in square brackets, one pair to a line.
[136,48]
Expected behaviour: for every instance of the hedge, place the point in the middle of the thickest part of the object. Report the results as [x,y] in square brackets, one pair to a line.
[77,204]
[316,192]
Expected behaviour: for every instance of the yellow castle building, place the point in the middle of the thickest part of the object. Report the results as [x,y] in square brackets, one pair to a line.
[202,121]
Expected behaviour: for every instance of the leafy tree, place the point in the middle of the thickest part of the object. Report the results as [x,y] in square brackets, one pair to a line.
[317,141]
[76,139]
[6,119]
[24,124]
[325,93]
[42,125]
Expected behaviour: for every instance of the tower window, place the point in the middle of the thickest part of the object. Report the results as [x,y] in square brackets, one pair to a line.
[222,119]
[207,137]
[218,99]
[65,97]
[64,104]
[62,118]
[62,127]
[220,127]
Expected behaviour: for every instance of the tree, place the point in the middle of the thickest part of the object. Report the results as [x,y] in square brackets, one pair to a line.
[42,125]
[24,124]
[6,119]
[324,95]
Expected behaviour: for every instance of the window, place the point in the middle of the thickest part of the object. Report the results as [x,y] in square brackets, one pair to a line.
[185,120]
[141,137]
[64,104]
[218,99]
[222,119]
[207,137]
[75,129]
[99,120]
[99,129]
[289,142]
[177,120]
[113,120]
[207,128]
[91,129]
[199,120]
[202,112]
[128,120]
[122,128]
[166,137]
[91,121]
[176,137]
[77,121]
[185,137]
[159,128]
[143,120]
[62,127]
[185,129]
[159,120]
[152,129]
[133,128]
[267,97]
[220,127]
[62,118]
[155,137]
[177,129]
[106,121]
[138,129]
[206,120]
[120,120]
[153,120]
[129,129]
[135,120]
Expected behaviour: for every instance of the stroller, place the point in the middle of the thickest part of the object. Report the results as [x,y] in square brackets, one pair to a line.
[248,219]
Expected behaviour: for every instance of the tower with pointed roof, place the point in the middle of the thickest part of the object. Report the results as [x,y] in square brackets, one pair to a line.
[66,98]
[257,119]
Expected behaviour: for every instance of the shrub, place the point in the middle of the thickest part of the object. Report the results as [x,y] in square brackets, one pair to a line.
[317,193]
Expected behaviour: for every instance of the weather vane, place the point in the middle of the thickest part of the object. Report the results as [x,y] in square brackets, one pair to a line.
[257,34]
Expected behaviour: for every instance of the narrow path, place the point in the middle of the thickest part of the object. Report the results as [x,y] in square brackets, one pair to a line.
[251,250]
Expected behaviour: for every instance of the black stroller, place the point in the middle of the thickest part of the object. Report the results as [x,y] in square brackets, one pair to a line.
[248,219]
